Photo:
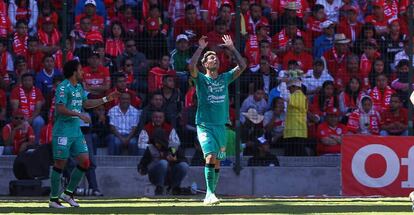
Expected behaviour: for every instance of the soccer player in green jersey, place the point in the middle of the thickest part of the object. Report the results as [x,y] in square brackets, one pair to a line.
[67,139]
[213,108]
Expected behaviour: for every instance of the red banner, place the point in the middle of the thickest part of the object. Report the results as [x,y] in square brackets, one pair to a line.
[373,165]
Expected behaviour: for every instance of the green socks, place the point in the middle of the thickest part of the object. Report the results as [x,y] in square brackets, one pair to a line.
[216,178]
[75,178]
[55,183]
[210,178]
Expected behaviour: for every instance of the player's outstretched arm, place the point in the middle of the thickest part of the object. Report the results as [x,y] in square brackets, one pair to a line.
[241,63]
[202,44]
[92,103]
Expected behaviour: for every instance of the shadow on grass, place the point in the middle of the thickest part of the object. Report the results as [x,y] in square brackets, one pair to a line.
[271,208]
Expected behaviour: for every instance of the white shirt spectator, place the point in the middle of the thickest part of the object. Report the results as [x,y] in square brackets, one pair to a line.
[399,56]
[331,10]
[124,122]
[173,139]
[313,83]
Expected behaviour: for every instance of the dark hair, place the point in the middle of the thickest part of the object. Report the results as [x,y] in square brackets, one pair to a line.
[224,5]
[317,7]
[32,39]
[70,67]
[373,73]
[165,77]
[293,62]
[19,59]
[152,7]
[353,95]
[3,41]
[111,34]
[190,7]
[254,5]
[47,56]
[365,27]
[275,100]
[296,39]
[322,96]
[19,22]
[156,94]
[25,75]
[85,17]
[57,78]
[403,62]
[220,21]
[395,95]
[123,62]
[263,42]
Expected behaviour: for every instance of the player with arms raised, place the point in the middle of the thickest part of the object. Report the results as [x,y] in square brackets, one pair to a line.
[213,109]
[67,137]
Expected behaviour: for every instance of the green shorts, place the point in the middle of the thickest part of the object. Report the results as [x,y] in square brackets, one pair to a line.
[212,138]
[62,146]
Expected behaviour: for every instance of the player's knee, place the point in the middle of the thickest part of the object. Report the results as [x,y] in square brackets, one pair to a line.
[211,158]
[85,164]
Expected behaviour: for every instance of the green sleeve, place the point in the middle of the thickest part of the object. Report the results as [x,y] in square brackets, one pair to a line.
[61,95]
[229,75]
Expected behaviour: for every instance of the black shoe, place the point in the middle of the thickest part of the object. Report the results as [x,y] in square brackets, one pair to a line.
[176,191]
[159,190]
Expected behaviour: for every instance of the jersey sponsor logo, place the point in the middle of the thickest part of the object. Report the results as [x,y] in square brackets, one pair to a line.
[216,99]
[202,136]
[62,141]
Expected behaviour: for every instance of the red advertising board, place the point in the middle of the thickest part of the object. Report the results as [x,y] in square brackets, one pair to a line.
[374,165]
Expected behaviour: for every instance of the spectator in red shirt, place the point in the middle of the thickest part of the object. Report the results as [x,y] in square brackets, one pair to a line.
[49,38]
[298,53]
[20,38]
[349,98]
[18,134]
[6,64]
[214,39]
[365,64]
[47,11]
[157,73]
[368,32]
[330,133]
[90,12]
[152,42]
[350,26]
[96,77]
[313,22]
[190,25]
[252,50]
[394,121]
[6,28]
[282,41]
[378,18]
[128,21]
[381,94]
[335,57]
[290,10]
[352,70]
[30,100]
[254,18]
[34,55]
[325,99]
[127,70]
[85,35]
[114,45]
[46,134]
[121,86]
[3,106]
[378,67]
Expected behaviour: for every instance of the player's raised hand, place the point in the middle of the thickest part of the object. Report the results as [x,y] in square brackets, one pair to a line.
[202,43]
[114,95]
[228,42]
[85,118]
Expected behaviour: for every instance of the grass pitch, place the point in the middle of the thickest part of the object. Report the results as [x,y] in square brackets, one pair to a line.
[25,205]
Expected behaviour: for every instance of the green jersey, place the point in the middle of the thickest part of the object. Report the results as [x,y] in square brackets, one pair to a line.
[213,98]
[72,97]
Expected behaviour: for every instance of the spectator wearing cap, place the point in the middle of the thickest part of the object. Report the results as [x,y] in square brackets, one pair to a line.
[114,44]
[381,94]
[152,42]
[401,82]
[298,54]
[214,39]
[210,9]
[49,38]
[274,121]
[176,8]
[296,130]
[85,36]
[378,18]
[289,11]
[393,42]
[165,165]
[364,120]
[349,25]
[331,8]
[190,25]
[330,133]
[100,8]
[325,41]
[315,77]
[262,155]
[252,47]
[6,64]
[30,100]
[25,11]
[44,79]
[96,78]
[181,55]
[314,21]
[282,41]
[254,18]
[334,58]
[34,55]
[123,121]
[122,87]
[90,11]
[18,134]
[394,122]
[20,38]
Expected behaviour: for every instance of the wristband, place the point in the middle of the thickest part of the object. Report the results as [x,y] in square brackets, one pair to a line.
[104,99]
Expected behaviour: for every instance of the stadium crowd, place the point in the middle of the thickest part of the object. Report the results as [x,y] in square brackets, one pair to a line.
[318,70]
